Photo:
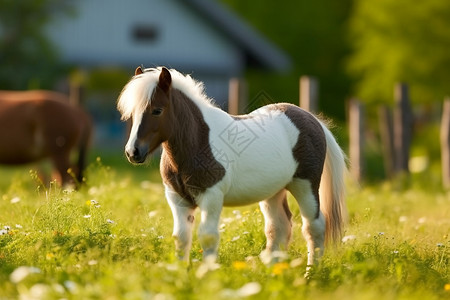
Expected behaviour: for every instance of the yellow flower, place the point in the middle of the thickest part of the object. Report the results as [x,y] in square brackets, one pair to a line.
[278,268]
[239,265]
[447,287]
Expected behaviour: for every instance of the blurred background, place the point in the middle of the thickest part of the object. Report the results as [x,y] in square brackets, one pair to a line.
[353,48]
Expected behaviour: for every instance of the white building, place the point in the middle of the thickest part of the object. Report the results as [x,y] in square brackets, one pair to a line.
[194,36]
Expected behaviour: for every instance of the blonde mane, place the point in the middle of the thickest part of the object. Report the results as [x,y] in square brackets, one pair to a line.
[137,93]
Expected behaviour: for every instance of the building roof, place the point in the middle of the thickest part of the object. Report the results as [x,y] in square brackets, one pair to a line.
[259,51]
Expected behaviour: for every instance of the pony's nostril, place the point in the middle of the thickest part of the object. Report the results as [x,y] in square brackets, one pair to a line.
[136,152]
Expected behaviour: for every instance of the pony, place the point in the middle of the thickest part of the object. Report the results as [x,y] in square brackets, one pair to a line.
[41,124]
[211,159]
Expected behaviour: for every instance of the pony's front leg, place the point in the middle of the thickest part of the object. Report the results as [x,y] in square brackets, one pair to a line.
[183,222]
[210,204]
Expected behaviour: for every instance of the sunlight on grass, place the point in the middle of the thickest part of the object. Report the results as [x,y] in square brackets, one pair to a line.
[112,239]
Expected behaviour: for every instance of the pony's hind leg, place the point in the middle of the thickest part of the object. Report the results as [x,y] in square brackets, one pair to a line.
[278,225]
[313,227]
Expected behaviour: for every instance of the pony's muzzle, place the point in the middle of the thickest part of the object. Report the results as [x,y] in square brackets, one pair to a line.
[136,155]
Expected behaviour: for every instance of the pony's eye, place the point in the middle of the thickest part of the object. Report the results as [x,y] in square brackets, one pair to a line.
[157,111]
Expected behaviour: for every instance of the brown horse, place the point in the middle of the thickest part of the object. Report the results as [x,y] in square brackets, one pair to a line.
[42,124]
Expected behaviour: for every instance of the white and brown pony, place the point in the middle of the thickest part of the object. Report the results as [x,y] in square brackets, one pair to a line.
[42,124]
[211,159]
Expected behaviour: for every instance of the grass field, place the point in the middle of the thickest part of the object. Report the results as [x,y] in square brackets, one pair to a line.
[112,240]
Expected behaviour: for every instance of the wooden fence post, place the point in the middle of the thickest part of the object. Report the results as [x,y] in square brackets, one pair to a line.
[309,92]
[356,133]
[387,140]
[403,122]
[445,143]
[237,96]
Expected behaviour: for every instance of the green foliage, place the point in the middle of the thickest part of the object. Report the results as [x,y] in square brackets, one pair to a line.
[313,33]
[28,58]
[112,240]
[400,41]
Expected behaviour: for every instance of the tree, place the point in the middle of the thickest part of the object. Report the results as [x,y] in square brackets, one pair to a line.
[28,58]
[400,41]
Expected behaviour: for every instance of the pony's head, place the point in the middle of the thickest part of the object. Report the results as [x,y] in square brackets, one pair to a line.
[146,101]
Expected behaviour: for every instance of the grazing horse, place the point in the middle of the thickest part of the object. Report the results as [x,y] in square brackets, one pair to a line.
[211,159]
[43,124]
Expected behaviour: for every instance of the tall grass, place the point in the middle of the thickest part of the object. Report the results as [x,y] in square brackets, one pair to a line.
[112,240]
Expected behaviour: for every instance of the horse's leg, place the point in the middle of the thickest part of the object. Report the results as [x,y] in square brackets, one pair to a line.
[313,221]
[278,224]
[183,222]
[210,203]
[61,162]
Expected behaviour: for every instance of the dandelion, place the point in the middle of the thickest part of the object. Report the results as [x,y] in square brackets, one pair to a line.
[279,268]
[239,265]
[447,287]
[49,256]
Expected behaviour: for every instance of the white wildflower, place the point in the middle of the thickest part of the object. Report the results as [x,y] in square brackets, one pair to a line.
[403,219]
[247,290]
[348,238]
[86,216]
[235,238]
[15,200]
[152,214]
[18,226]
[3,232]
[110,221]
[209,264]
[92,262]
[23,272]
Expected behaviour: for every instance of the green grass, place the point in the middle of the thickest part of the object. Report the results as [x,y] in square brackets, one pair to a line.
[112,240]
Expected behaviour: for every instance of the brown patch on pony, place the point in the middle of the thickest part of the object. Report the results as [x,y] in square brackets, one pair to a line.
[310,149]
[187,163]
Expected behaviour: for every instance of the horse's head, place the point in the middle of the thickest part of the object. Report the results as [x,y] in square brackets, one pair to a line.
[151,125]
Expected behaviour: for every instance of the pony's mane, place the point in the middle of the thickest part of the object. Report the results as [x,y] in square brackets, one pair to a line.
[137,93]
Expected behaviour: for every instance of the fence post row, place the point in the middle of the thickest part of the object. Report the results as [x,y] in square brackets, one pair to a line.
[237,96]
[387,139]
[445,143]
[403,121]
[356,138]
[309,93]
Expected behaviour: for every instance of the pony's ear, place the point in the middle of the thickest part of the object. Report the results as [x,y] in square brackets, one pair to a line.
[138,71]
[165,79]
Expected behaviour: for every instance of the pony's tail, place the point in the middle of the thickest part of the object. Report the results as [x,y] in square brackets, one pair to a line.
[85,141]
[332,189]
